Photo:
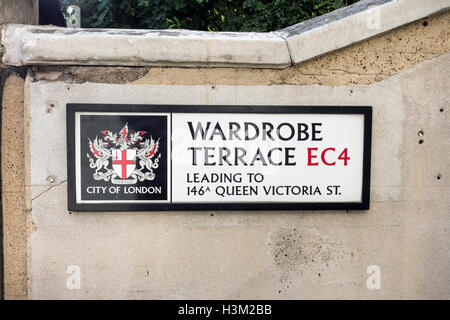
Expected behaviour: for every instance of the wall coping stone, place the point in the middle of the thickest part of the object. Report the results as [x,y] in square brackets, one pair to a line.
[48,45]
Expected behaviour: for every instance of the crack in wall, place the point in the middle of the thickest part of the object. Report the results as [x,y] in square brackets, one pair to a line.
[48,189]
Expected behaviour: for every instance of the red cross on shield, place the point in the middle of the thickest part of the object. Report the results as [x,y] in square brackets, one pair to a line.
[123,162]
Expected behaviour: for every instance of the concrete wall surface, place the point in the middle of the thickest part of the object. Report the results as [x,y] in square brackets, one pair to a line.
[15,252]
[270,255]
[402,73]
[12,102]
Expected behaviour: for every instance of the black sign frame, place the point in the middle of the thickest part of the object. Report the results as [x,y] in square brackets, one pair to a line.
[73,108]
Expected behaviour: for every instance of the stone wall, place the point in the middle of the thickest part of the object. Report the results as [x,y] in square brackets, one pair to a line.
[15,224]
[223,255]
[268,255]
[13,184]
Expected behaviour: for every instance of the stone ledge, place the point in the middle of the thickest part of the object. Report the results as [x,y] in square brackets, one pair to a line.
[32,45]
[346,26]
[29,45]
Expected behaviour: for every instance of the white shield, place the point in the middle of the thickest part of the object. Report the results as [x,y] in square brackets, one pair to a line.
[123,162]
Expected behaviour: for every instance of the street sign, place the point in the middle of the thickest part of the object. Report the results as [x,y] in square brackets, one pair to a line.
[182,157]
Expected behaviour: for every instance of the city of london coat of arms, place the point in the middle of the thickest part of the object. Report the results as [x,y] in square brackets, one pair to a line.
[124,158]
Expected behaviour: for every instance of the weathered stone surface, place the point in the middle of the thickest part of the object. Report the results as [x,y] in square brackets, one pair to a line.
[14,213]
[256,254]
[362,63]
[19,11]
[26,45]
[331,17]
[352,24]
